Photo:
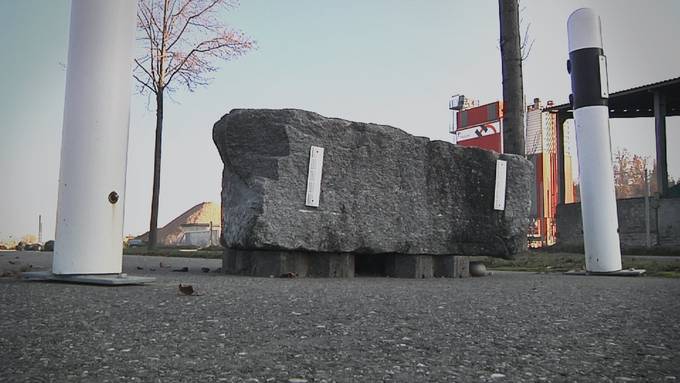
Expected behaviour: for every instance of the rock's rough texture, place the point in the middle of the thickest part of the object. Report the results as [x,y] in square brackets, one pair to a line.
[382,191]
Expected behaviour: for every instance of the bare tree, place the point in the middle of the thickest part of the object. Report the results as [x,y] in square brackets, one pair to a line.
[181,40]
[513,92]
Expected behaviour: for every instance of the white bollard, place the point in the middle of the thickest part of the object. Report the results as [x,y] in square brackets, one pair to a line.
[91,202]
[588,68]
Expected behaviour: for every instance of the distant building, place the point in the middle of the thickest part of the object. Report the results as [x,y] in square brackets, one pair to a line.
[195,222]
[482,127]
[199,235]
[541,149]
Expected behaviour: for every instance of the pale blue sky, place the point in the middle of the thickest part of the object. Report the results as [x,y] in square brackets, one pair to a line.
[391,62]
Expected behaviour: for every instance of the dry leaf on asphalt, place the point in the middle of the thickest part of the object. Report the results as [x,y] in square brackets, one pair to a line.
[186,289]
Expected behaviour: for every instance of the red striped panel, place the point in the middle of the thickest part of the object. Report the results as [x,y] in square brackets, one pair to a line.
[479,115]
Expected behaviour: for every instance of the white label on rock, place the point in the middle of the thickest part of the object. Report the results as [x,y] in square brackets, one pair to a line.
[314,176]
[501,176]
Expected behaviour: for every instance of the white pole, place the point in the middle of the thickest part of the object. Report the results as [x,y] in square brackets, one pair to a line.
[90,207]
[588,68]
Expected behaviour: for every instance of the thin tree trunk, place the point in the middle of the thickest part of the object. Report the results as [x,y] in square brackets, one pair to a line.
[513,92]
[153,224]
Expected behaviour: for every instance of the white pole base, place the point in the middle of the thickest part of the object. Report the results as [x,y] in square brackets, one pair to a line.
[90,279]
[619,273]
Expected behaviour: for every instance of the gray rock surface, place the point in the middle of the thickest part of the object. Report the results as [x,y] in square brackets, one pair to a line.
[382,191]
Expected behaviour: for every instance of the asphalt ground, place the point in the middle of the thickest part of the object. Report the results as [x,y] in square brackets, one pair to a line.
[507,327]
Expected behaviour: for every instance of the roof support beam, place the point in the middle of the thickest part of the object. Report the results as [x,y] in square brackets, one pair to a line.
[660,133]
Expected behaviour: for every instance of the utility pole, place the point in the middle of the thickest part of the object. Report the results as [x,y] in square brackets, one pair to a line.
[513,90]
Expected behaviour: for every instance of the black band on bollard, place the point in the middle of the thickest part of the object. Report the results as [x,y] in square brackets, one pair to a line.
[584,67]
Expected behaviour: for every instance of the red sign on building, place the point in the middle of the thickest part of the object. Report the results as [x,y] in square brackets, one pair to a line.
[481,127]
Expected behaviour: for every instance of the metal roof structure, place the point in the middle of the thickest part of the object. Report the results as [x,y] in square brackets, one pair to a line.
[656,100]
[635,102]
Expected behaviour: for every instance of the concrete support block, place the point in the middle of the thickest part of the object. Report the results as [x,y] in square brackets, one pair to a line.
[409,266]
[261,263]
[451,266]
[331,265]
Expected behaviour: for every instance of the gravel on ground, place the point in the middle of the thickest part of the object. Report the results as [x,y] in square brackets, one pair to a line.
[507,327]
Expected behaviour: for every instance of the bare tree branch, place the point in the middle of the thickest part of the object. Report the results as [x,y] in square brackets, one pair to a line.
[181,40]
[144,84]
[526,45]
[150,75]
[192,17]
[225,47]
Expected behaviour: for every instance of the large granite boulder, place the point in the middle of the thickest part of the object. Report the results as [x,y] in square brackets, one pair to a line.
[382,189]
